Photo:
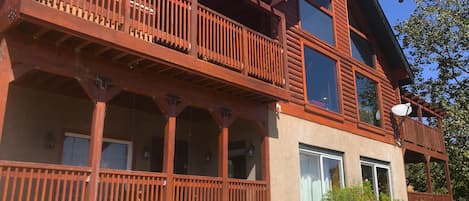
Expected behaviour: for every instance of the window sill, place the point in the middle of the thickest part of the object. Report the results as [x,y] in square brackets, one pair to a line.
[371,128]
[324,113]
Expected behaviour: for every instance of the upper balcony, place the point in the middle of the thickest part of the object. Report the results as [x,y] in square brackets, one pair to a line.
[423,130]
[423,146]
[188,36]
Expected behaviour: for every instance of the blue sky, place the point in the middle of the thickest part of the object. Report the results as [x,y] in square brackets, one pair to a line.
[397,11]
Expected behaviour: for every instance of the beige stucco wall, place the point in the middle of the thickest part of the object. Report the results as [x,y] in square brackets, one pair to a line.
[288,132]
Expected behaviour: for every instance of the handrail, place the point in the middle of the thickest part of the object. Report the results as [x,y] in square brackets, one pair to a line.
[181,176]
[48,166]
[132,172]
[247,181]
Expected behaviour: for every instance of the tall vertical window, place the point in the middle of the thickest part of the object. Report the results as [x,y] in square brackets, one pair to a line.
[116,154]
[361,47]
[378,176]
[321,80]
[320,173]
[316,18]
[367,96]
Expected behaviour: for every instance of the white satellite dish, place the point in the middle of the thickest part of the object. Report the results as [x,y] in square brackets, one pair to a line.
[402,110]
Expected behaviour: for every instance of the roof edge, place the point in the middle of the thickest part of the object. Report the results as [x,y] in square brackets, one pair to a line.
[394,41]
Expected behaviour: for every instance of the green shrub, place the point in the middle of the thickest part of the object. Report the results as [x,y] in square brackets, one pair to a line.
[353,193]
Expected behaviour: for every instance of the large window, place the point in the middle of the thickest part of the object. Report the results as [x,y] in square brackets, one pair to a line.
[116,154]
[367,97]
[361,47]
[316,18]
[378,176]
[321,80]
[320,173]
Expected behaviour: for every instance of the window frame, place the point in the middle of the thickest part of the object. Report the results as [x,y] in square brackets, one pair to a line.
[365,125]
[363,36]
[328,12]
[111,140]
[374,166]
[337,116]
[323,154]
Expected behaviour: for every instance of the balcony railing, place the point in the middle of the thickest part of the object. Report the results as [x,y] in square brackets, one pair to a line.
[48,182]
[197,188]
[416,132]
[220,40]
[247,190]
[117,185]
[418,196]
[45,182]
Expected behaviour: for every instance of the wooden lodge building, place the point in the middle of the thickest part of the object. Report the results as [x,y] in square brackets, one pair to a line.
[207,100]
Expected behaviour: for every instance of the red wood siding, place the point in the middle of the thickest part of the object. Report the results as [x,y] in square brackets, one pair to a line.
[296,37]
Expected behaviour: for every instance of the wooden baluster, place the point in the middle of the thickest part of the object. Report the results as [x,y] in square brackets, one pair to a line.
[68,185]
[223,41]
[6,183]
[44,184]
[166,19]
[178,23]
[30,182]
[76,182]
[157,19]
[201,32]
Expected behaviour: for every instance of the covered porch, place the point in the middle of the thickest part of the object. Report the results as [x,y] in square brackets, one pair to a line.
[77,132]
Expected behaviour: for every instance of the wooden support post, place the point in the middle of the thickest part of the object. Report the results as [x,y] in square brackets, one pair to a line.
[171,106]
[194,27]
[428,174]
[223,141]
[4,85]
[419,112]
[448,180]
[5,78]
[126,5]
[96,142]
[266,163]
[224,119]
[168,155]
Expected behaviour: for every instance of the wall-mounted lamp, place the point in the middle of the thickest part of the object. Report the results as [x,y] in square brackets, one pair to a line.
[49,140]
[146,153]
[208,156]
[250,150]
[278,108]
